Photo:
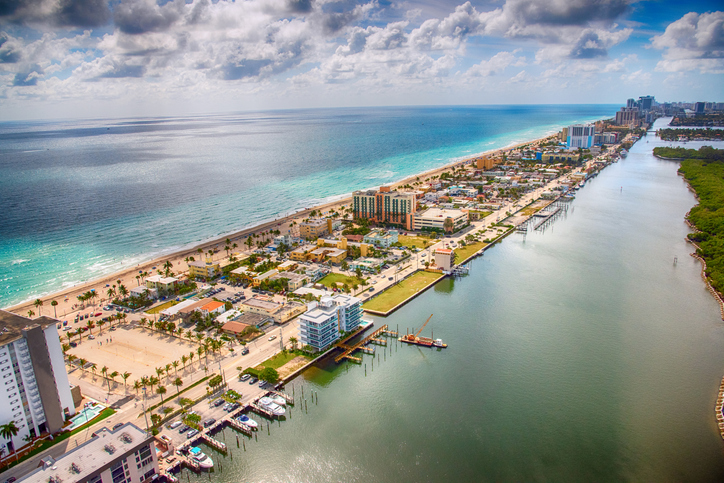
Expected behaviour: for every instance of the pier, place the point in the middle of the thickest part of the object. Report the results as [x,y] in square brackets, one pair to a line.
[545,217]
[362,345]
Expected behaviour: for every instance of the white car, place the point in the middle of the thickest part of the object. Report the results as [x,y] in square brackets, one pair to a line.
[272,337]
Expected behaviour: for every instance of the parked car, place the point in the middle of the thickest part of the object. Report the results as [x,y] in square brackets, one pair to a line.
[91,337]
[192,433]
[262,383]
[253,380]
[209,422]
[117,425]
[244,377]
[233,407]
[244,351]
[183,428]
[272,337]
[74,344]
[217,403]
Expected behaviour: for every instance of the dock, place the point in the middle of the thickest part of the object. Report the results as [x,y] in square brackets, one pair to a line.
[545,216]
[363,345]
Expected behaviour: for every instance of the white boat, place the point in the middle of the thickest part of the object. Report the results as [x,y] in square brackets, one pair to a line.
[279,400]
[268,404]
[200,458]
[244,419]
[438,343]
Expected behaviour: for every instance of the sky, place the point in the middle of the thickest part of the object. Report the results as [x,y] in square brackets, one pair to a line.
[119,58]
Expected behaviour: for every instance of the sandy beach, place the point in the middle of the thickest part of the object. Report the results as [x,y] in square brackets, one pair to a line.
[67,299]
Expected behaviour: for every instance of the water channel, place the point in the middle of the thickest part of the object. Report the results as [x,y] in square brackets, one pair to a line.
[576,353]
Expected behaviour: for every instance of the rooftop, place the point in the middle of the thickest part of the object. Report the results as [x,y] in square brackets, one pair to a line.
[161,279]
[12,325]
[262,304]
[82,462]
[213,305]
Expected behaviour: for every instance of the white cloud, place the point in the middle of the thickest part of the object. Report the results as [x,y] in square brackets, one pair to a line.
[694,42]
[495,65]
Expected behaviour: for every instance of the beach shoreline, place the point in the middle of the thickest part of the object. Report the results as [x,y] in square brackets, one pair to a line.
[67,298]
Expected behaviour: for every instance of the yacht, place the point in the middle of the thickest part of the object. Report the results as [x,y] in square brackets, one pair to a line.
[244,419]
[279,400]
[200,458]
[268,404]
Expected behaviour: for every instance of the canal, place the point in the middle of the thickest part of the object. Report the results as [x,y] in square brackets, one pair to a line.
[578,353]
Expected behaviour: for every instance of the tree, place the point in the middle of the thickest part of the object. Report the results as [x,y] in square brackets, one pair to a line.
[156,419]
[175,366]
[30,314]
[125,377]
[54,304]
[184,358]
[9,431]
[112,377]
[345,265]
[215,381]
[178,383]
[160,390]
[293,341]
[136,385]
[270,375]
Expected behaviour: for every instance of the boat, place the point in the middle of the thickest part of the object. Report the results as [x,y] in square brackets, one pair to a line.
[439,343]
[279,400]
[199,457]
[268,404]
[244,419]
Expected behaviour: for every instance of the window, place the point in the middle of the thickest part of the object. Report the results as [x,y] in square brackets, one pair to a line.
[96,479]
[118,473]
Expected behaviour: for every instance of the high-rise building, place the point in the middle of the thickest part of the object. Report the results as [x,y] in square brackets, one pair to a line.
[581,135]
[631,103]
[699,107]
[385,206]
[124,455]
[646,103]
[34,388]
[627,116]
[321,325]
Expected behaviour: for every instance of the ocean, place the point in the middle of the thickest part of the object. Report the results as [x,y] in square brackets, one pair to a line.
[85,198]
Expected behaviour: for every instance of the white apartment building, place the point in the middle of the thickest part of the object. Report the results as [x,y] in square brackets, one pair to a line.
[34,388]
[581,136]
[321,325]
[126,455]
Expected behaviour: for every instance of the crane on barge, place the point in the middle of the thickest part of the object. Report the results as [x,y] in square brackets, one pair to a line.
[423,341]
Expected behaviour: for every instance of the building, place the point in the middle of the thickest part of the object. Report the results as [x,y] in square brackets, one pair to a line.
[260,278]
[350,311]
[605,138]
[328,254]
[161,284]
[385,206]
[35,392]
[126,455]
[434,219]
[486,162]
[646,103]
[322,324]
[268,308]
[627,116]
[381,238]
[213,308]
[301,254]
[699,107]
[313,229]
[444,258]
[581,136]
[559,158]
[207,269]
[143,290]
[367,264]
[294,280]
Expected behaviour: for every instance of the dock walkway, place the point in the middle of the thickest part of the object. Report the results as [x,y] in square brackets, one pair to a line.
[361,346]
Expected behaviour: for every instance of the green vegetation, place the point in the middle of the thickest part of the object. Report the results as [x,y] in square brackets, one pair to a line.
[705,152]
[161,307]
[269,375]
[707,180]
[414,241]
[278,360]
[699,134]
[463,253]
[397,294]
[331,279]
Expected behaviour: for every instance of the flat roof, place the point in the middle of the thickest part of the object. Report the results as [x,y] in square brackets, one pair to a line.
[81,462]
[262,304]
[12,325]
[195,305]
[438,213]
[161,279]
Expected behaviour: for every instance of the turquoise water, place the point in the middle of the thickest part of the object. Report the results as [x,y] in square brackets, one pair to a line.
[85,415]
[86,198]
[578,353]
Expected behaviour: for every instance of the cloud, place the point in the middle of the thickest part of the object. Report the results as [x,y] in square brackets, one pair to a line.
[495,65]
[564,12]
[28,77]
[141,16]
[62,13]
[694,42]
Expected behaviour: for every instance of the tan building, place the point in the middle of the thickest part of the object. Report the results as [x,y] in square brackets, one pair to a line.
[312,229]
[260,278]
[207,269]
[161,284]
[294,280]
[444,258]
[385,206]
[280,313]
[486,162]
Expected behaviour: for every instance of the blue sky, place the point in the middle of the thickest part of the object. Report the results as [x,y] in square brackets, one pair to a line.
[99,58]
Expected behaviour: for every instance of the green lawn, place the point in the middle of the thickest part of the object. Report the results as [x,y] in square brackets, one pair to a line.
[161,307]
[414,241]
[402,291]
[278,360]
[464,252]
[331,279]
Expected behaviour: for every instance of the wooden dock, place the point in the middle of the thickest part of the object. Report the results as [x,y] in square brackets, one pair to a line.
[362,345]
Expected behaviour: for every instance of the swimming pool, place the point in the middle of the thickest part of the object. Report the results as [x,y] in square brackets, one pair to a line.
[85,415]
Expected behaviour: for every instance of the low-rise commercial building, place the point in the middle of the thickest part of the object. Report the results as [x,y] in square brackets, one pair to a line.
[294,280]
[313,229]
[444,258]
[162,285]
[125,455]
[382,238]
[34,391]
[260,278]
[369,265]
[434,219]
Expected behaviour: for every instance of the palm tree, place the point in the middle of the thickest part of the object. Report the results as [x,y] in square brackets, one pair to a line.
[111,292]
[293,341]
[90,326]
[189,334]
[178,383]
[9,431]
[201,349]
[100,325]
[184,358]
[175,366]
[227,248]
[82,362]
[93,367]
[159,371]
[160,390]
[122,290]
[168,370]
[104,371]
[30,314]
[136,385]
[71,358]
[125,377]
[191,356]
[54,304]
[152,381]
[113,376]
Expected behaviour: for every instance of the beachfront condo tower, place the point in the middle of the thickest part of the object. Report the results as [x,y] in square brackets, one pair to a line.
[581,136]
[34,389]
[385,206]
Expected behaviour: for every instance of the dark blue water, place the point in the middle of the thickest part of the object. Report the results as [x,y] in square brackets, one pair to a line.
[85,198]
